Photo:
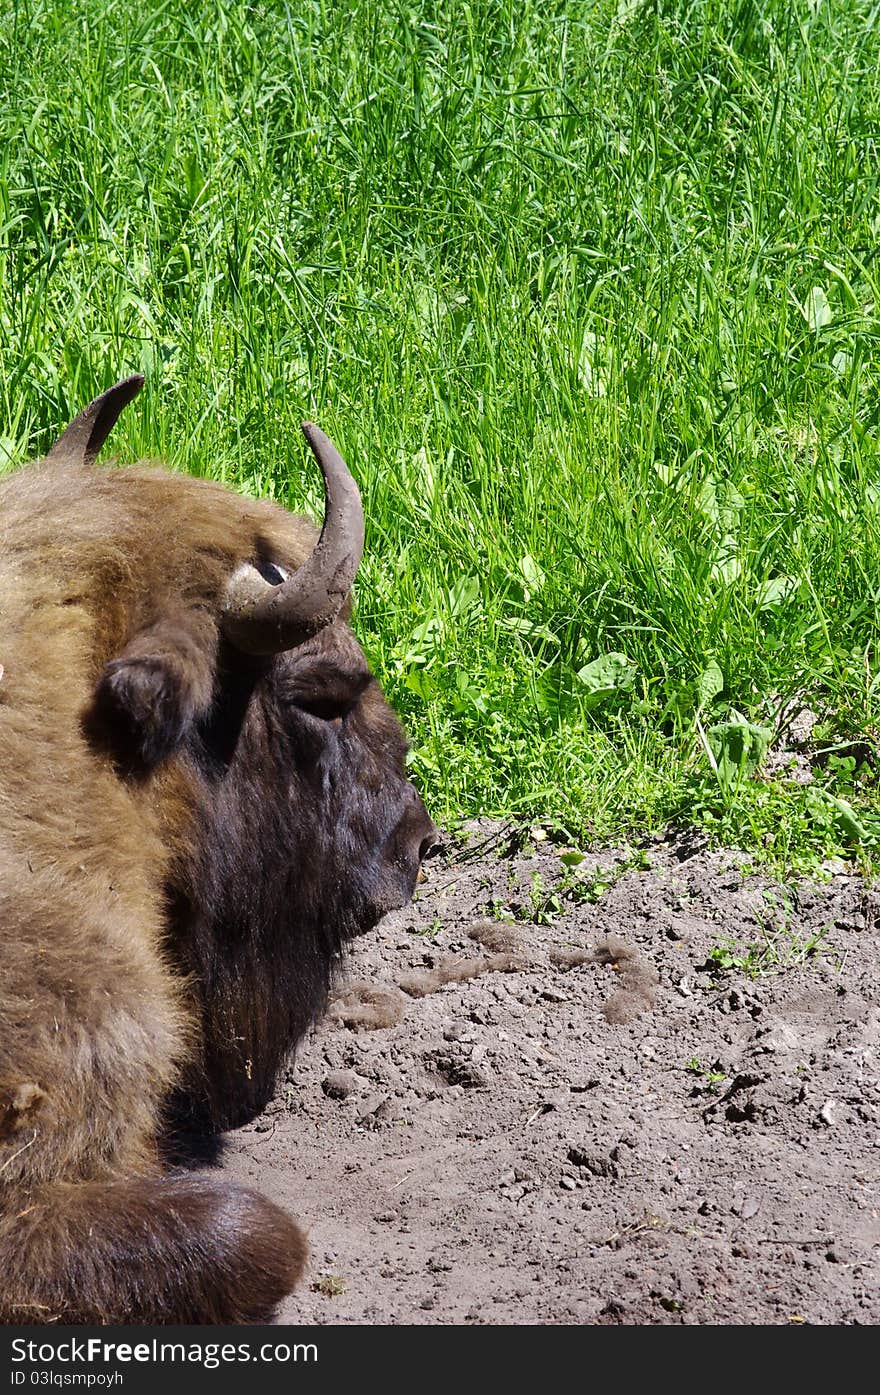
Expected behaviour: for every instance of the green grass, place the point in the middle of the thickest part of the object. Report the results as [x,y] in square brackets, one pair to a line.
[588,295]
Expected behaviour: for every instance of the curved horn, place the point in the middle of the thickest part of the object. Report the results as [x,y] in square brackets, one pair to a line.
[86,434]
[262,619]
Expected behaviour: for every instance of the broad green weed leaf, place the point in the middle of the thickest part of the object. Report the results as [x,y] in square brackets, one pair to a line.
[421,684]
[626,10]
[464,595]
[817,310]
[466,694]
[721,503]
[841,363]
[738,746]
[611,673]
[532,574]
[588,376]
[669,474]
[528,629]
[709,684]
[821,805]
[707,499]
[726,566]
[422,643]
[426,466]
[775,591]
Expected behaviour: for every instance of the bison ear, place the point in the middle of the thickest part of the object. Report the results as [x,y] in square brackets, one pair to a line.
[86,434]
[143,710]
[148,698]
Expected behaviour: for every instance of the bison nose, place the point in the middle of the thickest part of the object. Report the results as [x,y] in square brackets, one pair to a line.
[429,845]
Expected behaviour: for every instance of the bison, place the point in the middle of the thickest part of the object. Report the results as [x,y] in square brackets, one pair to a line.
[203,799]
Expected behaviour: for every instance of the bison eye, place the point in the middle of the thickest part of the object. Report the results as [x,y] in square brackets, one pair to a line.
[272,573]
[324,687]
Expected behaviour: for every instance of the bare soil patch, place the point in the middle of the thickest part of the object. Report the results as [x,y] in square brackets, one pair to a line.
[596,1120]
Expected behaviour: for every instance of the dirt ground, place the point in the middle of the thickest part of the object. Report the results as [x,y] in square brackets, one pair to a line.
[649,1102]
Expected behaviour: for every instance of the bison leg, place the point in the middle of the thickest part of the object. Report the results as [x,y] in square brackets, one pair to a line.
[148,1250]
[92,1038]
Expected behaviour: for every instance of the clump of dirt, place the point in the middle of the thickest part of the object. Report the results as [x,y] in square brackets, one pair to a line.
[666,1110]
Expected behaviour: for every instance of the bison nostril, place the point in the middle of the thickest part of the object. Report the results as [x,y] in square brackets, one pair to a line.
[429,846]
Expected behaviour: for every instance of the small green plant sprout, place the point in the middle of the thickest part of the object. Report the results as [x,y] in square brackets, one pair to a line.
[777,951]
[330,1285]
[577,885]
[593,887]
[671,1305]
[711,1077]
[428,932]
[544,905]
[571,858]
[496,909]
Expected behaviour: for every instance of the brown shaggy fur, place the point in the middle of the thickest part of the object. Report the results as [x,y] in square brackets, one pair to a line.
[571,958]
[638,990]
[367,1007]
[188,839]
[452,968]
[639,978]
[494,935]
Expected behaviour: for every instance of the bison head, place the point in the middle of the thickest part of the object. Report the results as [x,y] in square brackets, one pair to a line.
[263,777]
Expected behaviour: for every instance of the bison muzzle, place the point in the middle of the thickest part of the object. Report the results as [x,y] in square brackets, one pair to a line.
[203,798]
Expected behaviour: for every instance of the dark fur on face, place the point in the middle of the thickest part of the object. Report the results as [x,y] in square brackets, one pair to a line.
[188,840]
[288,804]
